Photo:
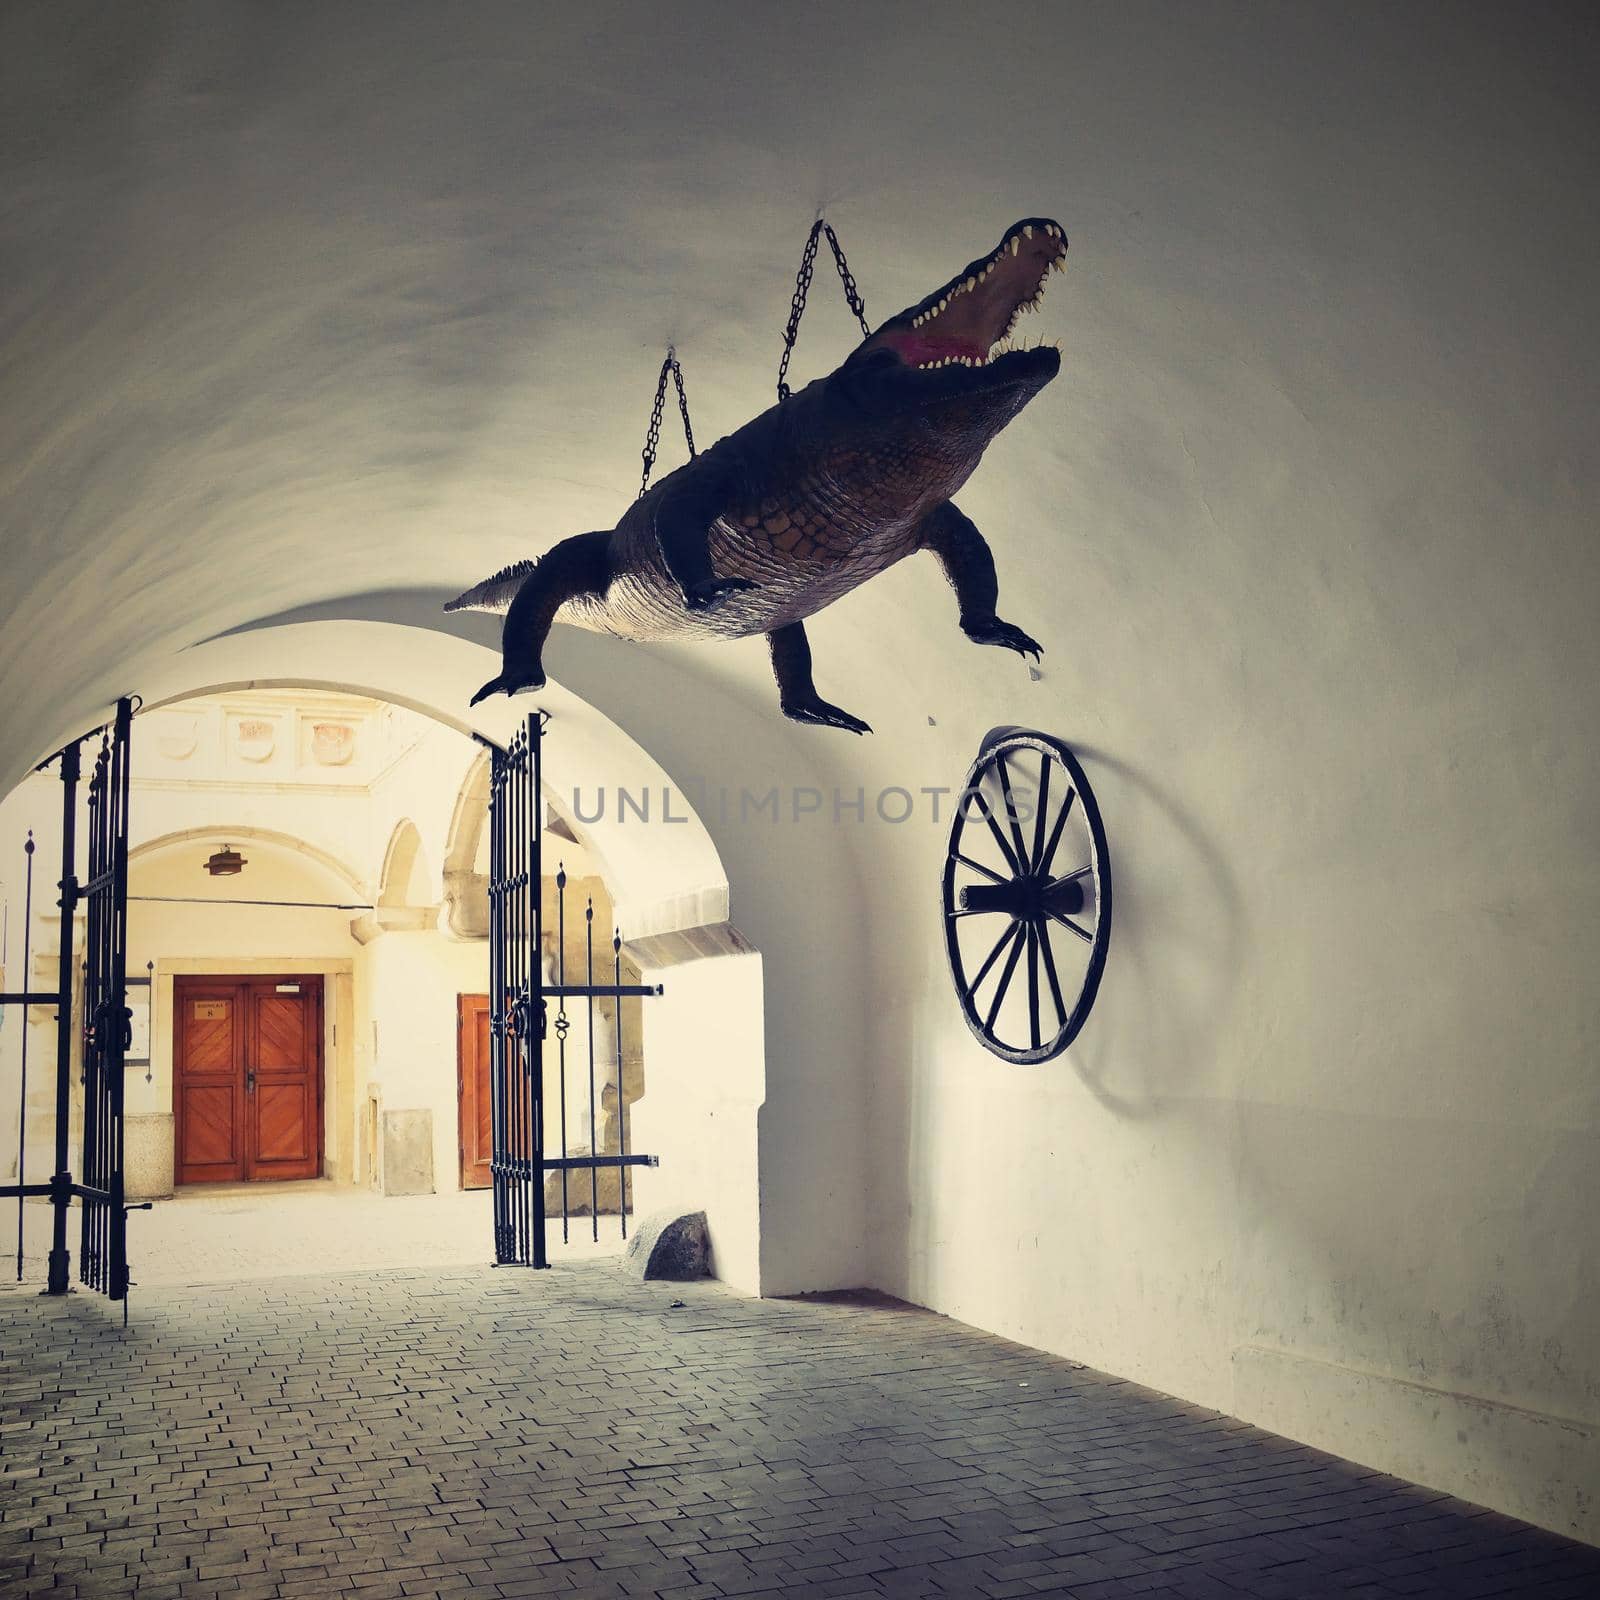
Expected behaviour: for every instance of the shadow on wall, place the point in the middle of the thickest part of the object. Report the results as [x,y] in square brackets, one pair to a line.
[1176,955]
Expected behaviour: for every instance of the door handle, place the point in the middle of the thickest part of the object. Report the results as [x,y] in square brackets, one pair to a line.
[249,1080]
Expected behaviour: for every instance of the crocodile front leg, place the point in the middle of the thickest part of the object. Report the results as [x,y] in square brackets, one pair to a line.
[964,554]
[683,521]
[797,694]
[576,566]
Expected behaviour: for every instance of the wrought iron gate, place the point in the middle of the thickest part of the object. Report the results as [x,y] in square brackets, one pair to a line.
[102,1258]
[518,997]
[107,1031]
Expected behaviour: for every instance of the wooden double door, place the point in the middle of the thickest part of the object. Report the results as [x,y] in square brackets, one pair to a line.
[247,1078]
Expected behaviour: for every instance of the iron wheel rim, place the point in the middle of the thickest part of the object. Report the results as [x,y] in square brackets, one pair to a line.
[1019,883]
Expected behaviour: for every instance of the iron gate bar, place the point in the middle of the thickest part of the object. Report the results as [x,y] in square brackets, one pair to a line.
[22,1092]
[579,1163]
[594,1121]
[60,1263]
[603,990]
[622,1121]
[562,1025]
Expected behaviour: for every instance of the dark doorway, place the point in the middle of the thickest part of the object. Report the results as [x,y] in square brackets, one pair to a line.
[247,1078]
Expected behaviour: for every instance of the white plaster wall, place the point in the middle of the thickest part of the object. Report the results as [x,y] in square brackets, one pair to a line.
[704,1089]
[410,982]
[1306,524]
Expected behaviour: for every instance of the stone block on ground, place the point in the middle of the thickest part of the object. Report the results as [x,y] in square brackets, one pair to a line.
[670,1245]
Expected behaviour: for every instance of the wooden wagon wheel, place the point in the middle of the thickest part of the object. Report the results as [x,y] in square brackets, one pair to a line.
[1027,896]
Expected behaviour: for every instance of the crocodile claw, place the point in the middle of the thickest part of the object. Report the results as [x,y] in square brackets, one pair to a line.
[991,630]
[506,684]
[711,592]
[823,715]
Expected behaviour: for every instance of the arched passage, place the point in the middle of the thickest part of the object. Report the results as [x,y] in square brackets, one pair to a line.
[705,1035]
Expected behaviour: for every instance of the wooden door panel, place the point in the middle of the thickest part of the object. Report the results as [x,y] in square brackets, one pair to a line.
[485,1123]
[472,1068]
[208,1087]
[210,1128]
[283,1063]
[210,1043]
[281,1042]
[282,1124]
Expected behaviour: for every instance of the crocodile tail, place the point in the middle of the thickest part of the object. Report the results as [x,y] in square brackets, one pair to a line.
[496,592]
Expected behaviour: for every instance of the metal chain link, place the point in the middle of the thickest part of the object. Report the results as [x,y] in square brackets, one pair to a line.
[797,305]
[802,286]
[653,437]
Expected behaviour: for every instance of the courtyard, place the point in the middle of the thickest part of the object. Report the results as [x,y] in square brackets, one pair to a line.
[231,1232]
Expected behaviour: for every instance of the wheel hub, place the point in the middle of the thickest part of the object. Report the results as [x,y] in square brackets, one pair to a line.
[1027,898]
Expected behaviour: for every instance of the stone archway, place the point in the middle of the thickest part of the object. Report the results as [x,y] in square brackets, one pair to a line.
[707,1084]
[400,905]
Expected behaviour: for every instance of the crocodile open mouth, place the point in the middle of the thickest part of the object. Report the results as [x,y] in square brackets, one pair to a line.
[970,321]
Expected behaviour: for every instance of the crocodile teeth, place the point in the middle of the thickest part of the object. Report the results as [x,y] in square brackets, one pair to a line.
[1027,229]
[1016,244]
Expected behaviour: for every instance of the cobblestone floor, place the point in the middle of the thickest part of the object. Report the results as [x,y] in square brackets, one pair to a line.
[463,1431]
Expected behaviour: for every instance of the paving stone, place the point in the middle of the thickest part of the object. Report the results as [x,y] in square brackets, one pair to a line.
[405,1433]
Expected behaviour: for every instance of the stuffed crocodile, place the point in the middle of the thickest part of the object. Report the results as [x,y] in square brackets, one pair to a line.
[812,497]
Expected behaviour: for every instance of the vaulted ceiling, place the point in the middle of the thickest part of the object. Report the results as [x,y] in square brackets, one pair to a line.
[299,304]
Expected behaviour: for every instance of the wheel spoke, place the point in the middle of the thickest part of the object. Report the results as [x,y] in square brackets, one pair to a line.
[1043,863]
[989,961]
[1011,809]
[1069,877]
[978,911]
[1050,973]
[1066,922]
[1044,807]
[999,838]
[978,866]
[1005,979]
[1033,982]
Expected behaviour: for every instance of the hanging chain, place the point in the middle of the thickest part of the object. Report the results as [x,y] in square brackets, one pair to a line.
[797,305]
[802,286]
[653,437]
